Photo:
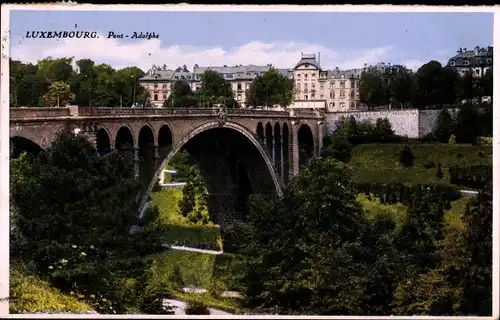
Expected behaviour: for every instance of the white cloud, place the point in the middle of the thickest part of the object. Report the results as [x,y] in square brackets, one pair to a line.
[145,53]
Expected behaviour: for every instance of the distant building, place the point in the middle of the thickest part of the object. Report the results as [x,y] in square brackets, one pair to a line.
[336,90]
[159,79]
[477,61]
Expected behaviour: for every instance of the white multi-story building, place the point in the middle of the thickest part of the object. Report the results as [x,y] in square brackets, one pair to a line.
[315,88]
[476,61]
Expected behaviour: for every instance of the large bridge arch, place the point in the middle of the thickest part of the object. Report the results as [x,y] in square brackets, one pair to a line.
[230,159]
[19,144]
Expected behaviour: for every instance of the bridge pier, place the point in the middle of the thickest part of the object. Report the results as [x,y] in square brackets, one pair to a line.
[156,152]
[136,163]
[282,165]
[294,150]
[319,139]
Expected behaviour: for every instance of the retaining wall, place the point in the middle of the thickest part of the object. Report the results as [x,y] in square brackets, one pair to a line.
[412,123]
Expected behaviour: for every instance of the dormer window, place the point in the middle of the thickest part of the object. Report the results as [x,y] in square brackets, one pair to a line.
[176,77]
[182,77]
[298,75]
[452,63]
[466,62]
[156,77]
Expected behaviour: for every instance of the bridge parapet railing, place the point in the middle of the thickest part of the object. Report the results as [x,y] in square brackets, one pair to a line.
[106,111]
[25,113]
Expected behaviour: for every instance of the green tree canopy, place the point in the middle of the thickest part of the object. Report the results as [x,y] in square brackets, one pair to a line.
[307,247]
[215,89]
[372,89]
[270,89]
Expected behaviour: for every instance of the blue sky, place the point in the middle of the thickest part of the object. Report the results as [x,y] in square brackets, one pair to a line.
[346,40]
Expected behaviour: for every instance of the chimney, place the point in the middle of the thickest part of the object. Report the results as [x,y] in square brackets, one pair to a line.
[476,49]
[319,58]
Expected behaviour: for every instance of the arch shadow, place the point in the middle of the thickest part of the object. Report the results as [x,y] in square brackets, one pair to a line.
[231,161]
[19,145]
[103,141]
[306,144]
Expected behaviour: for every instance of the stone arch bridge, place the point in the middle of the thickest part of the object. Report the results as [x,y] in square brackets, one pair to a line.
[238,152]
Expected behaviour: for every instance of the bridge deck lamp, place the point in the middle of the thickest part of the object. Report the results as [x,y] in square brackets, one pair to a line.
[76,131]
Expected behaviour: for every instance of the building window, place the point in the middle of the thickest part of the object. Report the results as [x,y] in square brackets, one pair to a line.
[298,86]
[321,86]
[332,95]
[305,75]
[313,95]
[333,104]
[298,75]
[164,86]
[238,97]
[490,60]
[342,105]
[305,86]
[352,105]
[322,97]
[466,62]
[332,84]
[306,90]
[155,97]
[342,84]
[239,87]
[155,86]
[313,85]
[342,94]
[313,75]
[306,97]
[353,94]
[353,84]
[156,77]
[452,63]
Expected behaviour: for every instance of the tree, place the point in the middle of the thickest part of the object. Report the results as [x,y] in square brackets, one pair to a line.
[372,89]
[215,89]
[478,219]
[435,85]
[406,156]
[337,147]
[59,95]
[402,87]
[74,210]
[56,69]
[439,172]
[347,126]
[467,88]
[27,85]
[485,85]
[181,96]
[306,248]
[444,126]
[270,89]
[467,126]
[383,128]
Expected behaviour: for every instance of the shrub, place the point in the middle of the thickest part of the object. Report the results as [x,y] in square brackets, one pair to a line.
[337,147]
[444,126]
[197,307]
[406,157]
[452,139]
[478,176]
[439,173]
[152,303]
[429,165]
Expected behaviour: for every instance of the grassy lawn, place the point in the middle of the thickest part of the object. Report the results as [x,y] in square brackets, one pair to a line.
[39,296]
[181,231]
[379,162]
[397,211]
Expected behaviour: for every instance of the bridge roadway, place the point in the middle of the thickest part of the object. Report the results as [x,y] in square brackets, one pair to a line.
[268,142]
